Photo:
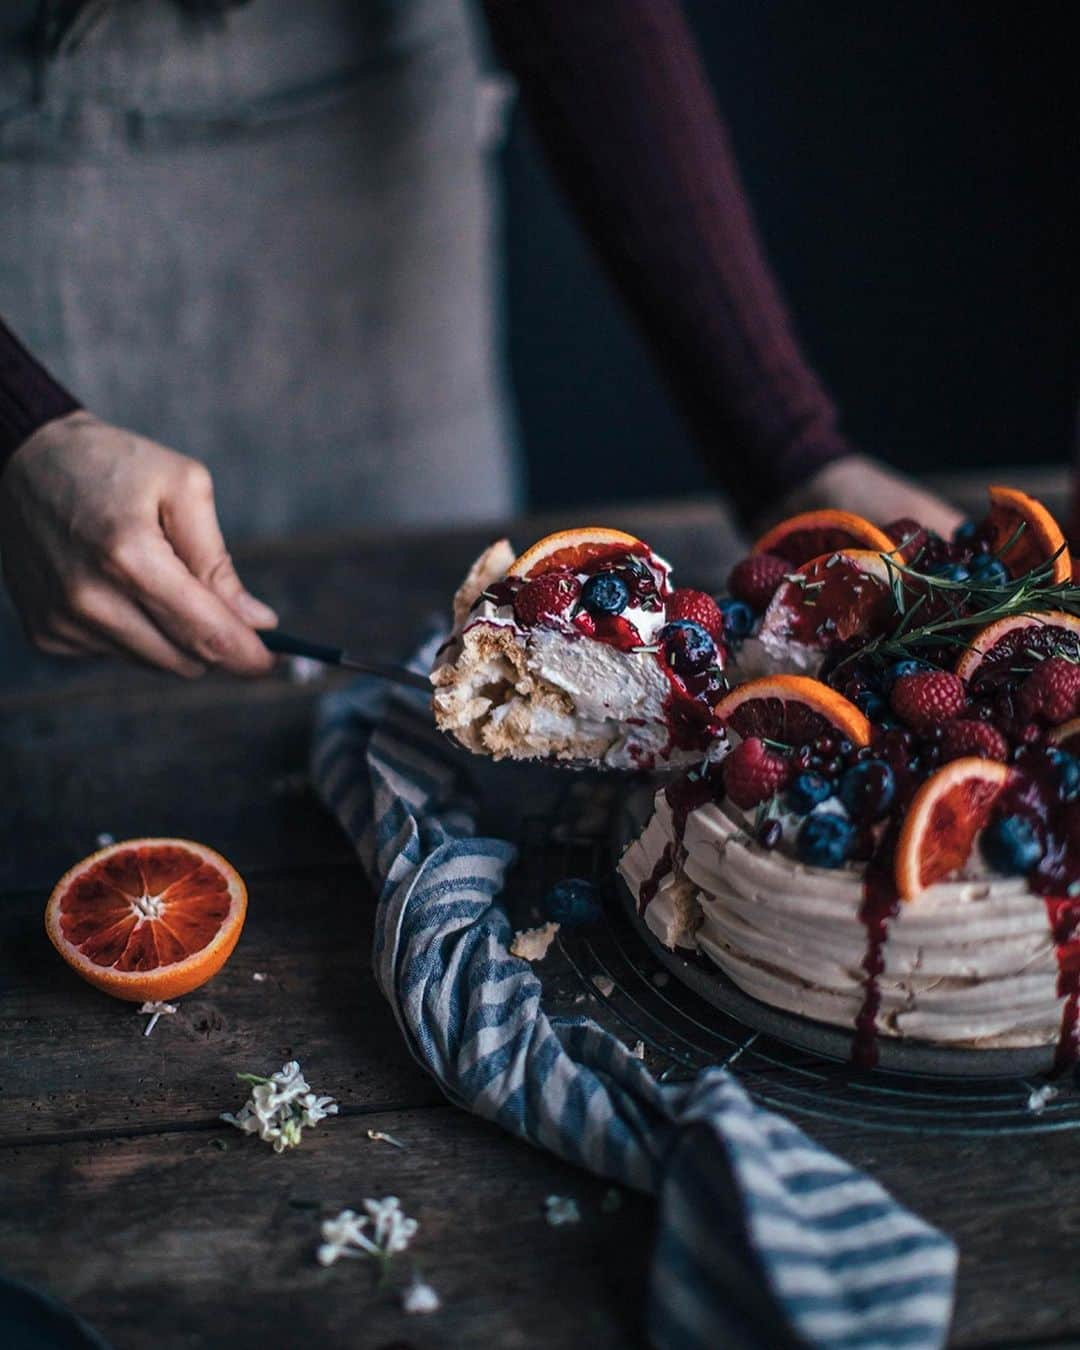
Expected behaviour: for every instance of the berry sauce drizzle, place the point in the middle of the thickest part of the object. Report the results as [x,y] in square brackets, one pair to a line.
[1064,916]
[880,903]
[683,795]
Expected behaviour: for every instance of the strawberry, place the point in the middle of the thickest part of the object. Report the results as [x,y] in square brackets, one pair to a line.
[1051,693]
[753,773]
[968,737]
[548,597]
[910,530]
[756,578]
[928,698]
[699,608]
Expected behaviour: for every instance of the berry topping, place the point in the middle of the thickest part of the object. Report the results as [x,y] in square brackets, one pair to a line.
[1011,845]
[922,700]
[948,571]
[900,668]
[1067,772]
[1051,693]
[868,789]
[605,593]
[825,840]
[807,791]
[699,608]
[548,597]
[988,571]
[689,648]
[753,773]
[756,578]
[769,834]
[965,533]
[871,704]
[969,737]
[738,618]
[908,535]
[572,903]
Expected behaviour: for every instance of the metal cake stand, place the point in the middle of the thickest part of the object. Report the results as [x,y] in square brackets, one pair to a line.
[689,1016]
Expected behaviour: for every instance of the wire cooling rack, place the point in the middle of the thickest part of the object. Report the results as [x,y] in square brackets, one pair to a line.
[608,972]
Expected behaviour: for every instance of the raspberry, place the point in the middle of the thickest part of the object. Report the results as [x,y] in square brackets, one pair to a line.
[548,597]
[927,699]
[969,737]
[1051,693]
[756,578]
[753,773]
[698,608]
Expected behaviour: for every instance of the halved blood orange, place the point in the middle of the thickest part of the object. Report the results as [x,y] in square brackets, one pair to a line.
[831,599]
[148,918]
[1039,540]
[808,535]
[574,549]
[944,817]
[1066,736]
[1019,641]
[794,709]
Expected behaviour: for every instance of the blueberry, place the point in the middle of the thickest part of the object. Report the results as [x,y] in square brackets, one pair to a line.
[572,903]
[901,668]
[868,789]
[987,571]
[871,704]
[690,649]
[605,593]
[965,533]
[825,840]
[1011,845]
[738,618]
[948,571]
[807,791]
[1068,773]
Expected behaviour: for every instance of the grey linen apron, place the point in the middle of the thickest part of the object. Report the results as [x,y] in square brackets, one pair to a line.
[265,239]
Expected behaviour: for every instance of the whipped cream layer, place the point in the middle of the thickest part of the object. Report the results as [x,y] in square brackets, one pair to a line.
[968,963]
[552,692]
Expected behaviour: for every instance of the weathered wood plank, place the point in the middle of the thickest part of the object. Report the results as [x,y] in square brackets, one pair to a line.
[78,1061]
[176,1242]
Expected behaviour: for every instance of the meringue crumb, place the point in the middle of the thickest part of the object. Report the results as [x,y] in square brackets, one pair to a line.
[378,1137]
[259,976]
[638,1050]
[154,1009]
[105,839]
[604,984]
[419,1297]
[532,944]
[560,1209]
[1038,1097]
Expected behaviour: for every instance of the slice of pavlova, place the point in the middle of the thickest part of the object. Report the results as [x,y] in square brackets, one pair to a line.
[580,650]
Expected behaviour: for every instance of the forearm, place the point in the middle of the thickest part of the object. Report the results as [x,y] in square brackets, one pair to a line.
[622,105]
[29,396]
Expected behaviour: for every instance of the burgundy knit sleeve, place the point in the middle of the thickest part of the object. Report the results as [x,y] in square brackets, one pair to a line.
[29,396]
[619,98]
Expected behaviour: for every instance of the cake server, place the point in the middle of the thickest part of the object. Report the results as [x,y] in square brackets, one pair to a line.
[286,644]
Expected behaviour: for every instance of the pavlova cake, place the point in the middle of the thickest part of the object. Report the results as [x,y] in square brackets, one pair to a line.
[884,831]
[581,650]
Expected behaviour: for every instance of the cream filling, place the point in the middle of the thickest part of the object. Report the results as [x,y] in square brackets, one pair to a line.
[970,962]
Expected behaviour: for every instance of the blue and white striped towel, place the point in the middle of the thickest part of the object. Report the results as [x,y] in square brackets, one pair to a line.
[763,1236]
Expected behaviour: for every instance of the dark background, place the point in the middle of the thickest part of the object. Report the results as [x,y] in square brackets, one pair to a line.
[912,168]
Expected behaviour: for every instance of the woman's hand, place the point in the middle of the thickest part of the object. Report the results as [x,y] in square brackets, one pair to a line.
[862,485]
[110,543]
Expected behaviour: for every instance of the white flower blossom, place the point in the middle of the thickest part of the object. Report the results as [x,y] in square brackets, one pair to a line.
[155,1008]
[560,1209]
[348,1234]
[419,1297]
[280,1107]
[1038,1097]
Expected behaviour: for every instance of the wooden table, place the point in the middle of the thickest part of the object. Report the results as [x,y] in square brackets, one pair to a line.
[123,1193]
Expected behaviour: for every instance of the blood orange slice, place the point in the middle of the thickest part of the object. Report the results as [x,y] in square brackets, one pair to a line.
[944,817]
[149,918]
[1019,642]
[1040,539]
[800,538]
[831,599]
[1066,736]
[574,549]
[794,709]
